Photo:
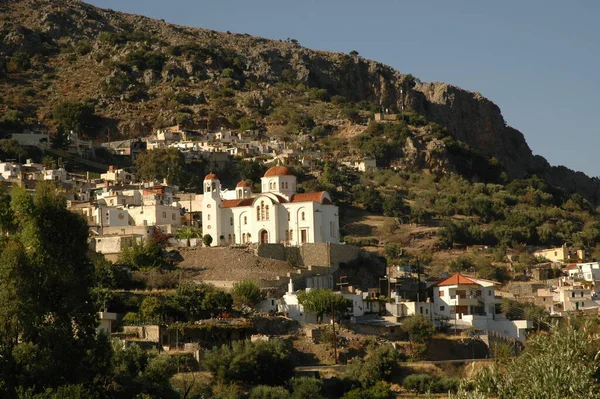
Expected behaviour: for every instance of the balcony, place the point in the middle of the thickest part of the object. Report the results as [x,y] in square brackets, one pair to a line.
[465,300]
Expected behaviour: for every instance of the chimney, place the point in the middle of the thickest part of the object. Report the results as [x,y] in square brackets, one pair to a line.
[290,287]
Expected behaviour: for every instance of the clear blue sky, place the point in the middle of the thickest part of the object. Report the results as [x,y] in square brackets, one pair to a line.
[538,60]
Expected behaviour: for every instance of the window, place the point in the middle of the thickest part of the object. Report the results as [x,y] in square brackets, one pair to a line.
[208,205]
[258,213]
[441,292]
[164,215]
[231,221]
[303,216]
[490,292]
[229,238]
[245,220]
[573,294]
[243,238]
[291,235]
[582,294]
[281,185]
[442,308]
[267,212]
[288,216]
[208,217]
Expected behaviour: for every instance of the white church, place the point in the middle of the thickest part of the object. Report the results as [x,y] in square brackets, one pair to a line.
[277,215]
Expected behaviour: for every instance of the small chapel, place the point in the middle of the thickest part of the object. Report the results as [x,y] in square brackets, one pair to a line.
[277,215]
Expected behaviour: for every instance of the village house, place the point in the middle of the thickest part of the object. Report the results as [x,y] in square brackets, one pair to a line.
[277,215]
[471,302]
[118,176]
[584,271]
[563,254]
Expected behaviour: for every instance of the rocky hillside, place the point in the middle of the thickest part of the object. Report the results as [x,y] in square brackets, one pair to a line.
[132,74]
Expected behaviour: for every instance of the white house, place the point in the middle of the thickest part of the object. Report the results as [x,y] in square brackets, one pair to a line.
[470,301]
[586,271]
[572,298]
[277,215]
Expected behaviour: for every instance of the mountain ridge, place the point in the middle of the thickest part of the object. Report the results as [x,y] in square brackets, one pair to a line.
[133,69]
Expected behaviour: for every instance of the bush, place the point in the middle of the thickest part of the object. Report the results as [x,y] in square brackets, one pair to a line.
[418,328]
[445,385]
[246,293]
[267,392]
[380,364]
[378,391]
[258,363]
[305,387]
[419,383]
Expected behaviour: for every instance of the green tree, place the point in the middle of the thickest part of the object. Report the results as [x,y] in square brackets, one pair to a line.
[257,363]
[561,364]
[418,328]
[246,294]
[320,302]
[207,240]
[380,364]
[161,164]
[150,308]
[47,315]
[217,301]
[304,387]
[142,255]
[76,116]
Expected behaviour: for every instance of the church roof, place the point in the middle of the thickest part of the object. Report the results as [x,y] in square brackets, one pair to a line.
[211,176]
[242,184]
[237,202]
[278,171]
[457,279]
[319,197]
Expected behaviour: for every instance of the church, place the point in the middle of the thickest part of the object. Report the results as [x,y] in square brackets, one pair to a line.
[278,215]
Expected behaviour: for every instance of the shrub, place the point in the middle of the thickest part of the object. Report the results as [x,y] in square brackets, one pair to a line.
[246,293]
[419,383]
[305,387]
[267,392]
[258,363]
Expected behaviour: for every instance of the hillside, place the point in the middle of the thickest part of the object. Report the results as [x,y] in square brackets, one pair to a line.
[131,74]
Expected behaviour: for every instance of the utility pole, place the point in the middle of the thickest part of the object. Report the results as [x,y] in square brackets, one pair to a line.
[334,336]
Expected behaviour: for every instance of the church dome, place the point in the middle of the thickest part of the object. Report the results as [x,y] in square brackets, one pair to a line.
[211,176]
[278,171]
[242,184]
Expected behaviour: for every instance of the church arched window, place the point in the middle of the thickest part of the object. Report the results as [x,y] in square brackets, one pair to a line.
[303,216]
[267,212]
[245,220]
[231,221]
[258,213]
[262,210]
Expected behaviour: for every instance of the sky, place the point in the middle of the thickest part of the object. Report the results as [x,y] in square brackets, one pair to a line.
[538,60]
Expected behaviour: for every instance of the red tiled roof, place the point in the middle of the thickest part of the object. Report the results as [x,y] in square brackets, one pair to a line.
[243,184]
[311,197]
[237,202]
[210,176]
[457,279]
[571,266]
[278,171]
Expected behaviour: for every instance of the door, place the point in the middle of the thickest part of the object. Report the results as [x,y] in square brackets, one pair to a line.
[264,237]
[303,236]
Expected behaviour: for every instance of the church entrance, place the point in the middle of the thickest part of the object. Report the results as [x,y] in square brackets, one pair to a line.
[264,237]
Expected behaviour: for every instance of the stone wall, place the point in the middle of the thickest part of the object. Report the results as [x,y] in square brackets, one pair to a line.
[313,254]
